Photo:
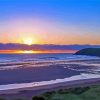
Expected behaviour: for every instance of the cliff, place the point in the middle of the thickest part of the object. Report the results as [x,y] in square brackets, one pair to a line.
[89,51]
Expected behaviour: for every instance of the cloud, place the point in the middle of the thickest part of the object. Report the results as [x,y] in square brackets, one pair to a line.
[14,46]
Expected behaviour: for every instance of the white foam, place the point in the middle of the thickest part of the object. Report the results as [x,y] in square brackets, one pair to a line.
[43,83]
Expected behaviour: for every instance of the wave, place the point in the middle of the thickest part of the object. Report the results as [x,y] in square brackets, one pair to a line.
[18,61]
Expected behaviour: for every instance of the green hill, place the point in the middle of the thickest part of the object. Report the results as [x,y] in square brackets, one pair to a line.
[89,51]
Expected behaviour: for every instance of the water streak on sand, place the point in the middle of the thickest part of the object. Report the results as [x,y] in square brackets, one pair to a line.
[43,83]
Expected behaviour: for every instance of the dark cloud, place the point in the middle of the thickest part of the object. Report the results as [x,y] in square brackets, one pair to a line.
[14,46]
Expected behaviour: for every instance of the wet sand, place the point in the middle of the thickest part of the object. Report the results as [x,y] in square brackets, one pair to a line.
[35,74]
[45,73]
[28,73]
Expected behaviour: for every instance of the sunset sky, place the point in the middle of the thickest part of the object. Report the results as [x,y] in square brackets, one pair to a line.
[50,22]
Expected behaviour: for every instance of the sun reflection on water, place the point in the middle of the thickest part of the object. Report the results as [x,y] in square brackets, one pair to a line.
[28,51]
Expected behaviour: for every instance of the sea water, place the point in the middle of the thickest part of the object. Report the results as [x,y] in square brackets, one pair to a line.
[17,70]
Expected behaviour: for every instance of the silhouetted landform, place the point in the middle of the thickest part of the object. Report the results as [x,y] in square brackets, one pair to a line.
[89,52]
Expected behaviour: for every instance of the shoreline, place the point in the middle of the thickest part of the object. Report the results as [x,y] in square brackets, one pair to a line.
[80,80]
[28,92]
[80,77]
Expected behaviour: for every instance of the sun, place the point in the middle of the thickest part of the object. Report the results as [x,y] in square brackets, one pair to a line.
[28,41]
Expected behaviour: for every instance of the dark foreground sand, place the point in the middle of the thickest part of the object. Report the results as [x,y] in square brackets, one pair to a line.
[32,91]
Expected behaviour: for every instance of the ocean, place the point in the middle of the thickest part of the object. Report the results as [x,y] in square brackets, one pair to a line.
[17,70]
[8,61]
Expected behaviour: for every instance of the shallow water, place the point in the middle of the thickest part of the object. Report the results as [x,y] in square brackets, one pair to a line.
[26,68]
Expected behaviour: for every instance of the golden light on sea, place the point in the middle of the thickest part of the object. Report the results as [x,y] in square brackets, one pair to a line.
[28,51]
[34,51]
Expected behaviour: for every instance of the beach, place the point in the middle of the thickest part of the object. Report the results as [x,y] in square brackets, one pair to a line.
[30,77]
[28,93]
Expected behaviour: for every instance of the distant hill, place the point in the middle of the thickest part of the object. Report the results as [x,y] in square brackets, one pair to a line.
[89,51]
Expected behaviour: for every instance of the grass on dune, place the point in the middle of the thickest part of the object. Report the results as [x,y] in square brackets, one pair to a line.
[86,93]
